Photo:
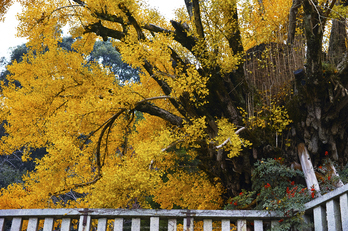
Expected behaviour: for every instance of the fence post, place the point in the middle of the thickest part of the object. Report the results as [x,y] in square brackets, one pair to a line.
[171,224]
[66,223]
[102,224]
[135,224]
[344,211]
[319,215]
[154,223]
[258,225]
[207,225]
[333,215]
[118,224]
[16,224]
[241,225]
[2,224]
[225,225]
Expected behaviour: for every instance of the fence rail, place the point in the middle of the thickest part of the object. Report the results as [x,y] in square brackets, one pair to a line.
[327,212]
[118,216]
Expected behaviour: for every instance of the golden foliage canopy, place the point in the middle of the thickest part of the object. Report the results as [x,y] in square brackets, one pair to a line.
[89,121]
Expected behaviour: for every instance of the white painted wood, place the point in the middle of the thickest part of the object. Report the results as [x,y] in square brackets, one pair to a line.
[2,224]
[48,224]
[324,198]
[333,215]
[154,223]
[258,225]
[82,226]
[207,225]
[188,224]
[102,224]
[307,168]
[225,225]
[241,225]
[32,224]
[16,224]
[344,211]
[135,224]
[66,223]
[118,224]
[173,213]
[319,215]
[171,224]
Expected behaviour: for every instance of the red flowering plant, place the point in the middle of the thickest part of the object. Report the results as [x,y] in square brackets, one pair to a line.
[275,188]
[327,181]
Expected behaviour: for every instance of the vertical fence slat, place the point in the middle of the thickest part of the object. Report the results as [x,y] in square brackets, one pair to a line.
[135,224]
[32,224]
[258,225]
[241,225]
[225,225]
[171,224]
[118,224]
[333,215]
[207,225]
[188,224]
[16,224]
[344,211]
[48,224]
[85,223]
[319,216]
[66,223]
[2,224]
[154,223]
[102,224]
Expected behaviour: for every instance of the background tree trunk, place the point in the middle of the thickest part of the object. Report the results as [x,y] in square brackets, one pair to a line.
[337,45]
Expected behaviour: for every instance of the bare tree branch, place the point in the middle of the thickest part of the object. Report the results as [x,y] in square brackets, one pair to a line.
[189,6]
[197,19]
[154,28]
[81,3]
[104,32]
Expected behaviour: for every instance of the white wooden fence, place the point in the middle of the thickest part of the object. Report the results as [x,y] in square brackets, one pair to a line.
[328,212]
[64,217]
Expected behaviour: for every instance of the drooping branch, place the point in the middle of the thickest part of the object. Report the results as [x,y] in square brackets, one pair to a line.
[142,106]
[156,111]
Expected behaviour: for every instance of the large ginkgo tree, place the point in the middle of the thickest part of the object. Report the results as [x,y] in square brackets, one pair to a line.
[216,92]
